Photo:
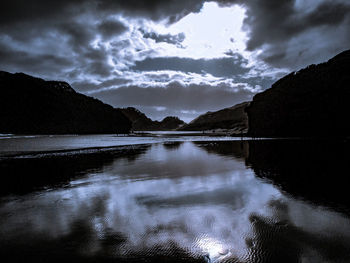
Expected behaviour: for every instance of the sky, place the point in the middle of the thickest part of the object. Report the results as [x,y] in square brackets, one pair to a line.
[170,58]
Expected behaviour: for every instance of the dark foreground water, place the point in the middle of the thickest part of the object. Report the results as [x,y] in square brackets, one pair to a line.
[219,201]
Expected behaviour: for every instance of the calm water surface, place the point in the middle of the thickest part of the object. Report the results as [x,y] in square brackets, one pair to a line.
[210,201]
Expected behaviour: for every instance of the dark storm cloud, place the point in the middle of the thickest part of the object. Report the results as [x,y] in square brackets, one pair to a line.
[99,68]
[16,61]
[59,30]
[65,30]
[272,24]
[276,21]
[20,10]
[219,67]
[80,35]
[110,28]
[328,13]
[94,61]
[168,38]
[282,31]
[176,96]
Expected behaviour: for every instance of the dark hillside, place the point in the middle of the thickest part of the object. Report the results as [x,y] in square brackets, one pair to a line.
[313,102]
[31,105]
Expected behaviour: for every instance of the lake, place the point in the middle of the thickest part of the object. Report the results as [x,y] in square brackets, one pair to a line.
[173,199]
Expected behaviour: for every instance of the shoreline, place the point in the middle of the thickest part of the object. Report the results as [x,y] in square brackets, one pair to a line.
[122,149]
[36,146]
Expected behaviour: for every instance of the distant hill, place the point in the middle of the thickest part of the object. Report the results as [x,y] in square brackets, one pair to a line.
[233,118]
[30,105]
[311,102]
[171,123]
[140,122]
[138,119]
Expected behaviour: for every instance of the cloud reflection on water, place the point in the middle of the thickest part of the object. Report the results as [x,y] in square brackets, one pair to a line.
[183,196]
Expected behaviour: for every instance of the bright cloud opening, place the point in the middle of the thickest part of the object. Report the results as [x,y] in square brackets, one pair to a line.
[209,34]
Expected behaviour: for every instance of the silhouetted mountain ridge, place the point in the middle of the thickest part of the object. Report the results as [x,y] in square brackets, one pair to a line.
[140,122]
[233,118]
[30,105]
[311,102]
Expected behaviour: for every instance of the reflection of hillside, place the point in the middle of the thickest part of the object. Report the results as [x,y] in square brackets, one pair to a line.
[23,175]
[172,145]
[236,149]
[314,170]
